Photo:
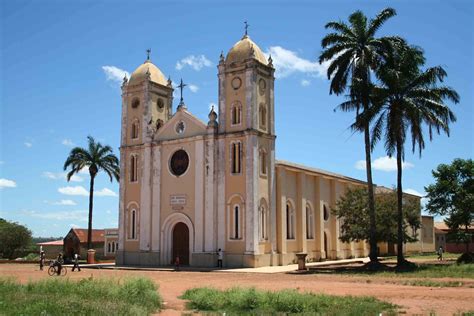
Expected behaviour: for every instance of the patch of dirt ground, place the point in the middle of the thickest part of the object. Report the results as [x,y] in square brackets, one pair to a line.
[413,300]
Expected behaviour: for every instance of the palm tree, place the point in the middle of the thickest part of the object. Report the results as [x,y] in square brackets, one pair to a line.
[354,52]
[407,99]
[96,157]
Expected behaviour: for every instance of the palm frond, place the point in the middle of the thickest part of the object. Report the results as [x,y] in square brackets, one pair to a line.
[379,20]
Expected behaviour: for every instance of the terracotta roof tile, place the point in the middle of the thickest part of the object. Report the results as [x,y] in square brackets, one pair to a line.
[97,234]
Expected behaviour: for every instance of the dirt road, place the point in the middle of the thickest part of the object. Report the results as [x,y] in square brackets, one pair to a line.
[411,299]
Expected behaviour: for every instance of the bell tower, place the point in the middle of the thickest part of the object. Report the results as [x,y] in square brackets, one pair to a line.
[147,99]
[247,151]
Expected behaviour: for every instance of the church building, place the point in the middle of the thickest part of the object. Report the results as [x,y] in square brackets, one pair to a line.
[189,188]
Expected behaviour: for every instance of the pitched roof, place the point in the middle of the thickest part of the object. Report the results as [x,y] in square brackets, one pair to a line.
[51,243]
[443,226]
[81,233]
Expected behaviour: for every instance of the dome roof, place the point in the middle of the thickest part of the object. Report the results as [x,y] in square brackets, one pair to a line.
[141,72]
[245,49]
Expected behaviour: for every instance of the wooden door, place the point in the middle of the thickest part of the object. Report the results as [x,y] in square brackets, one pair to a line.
[181,243]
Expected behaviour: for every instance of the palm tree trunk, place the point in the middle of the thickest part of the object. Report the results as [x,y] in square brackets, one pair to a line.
[400,234]
[370,186]
[91,202]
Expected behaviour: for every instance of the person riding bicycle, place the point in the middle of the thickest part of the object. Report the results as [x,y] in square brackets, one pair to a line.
[59,263]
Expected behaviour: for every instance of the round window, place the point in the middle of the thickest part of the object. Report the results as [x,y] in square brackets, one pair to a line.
[135,103]
[160,103]
[180,127]
[262,85]
[179,162]
[236,83]
[325,212]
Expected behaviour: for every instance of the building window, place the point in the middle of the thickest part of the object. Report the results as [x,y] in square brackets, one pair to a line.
[236,157]
[135,103]
[262,111]
[325,212]
[290,222]
[133,168]
[116,247]
[309,223]
[108,247]
[135,126]
[236,113]
[262,223]
[236,222]
[263,162]
[159,124]
[133,225]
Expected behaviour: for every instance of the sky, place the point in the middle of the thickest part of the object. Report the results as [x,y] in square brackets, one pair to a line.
[62,62]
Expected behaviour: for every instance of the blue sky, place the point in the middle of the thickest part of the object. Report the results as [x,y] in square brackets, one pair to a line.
[61,63]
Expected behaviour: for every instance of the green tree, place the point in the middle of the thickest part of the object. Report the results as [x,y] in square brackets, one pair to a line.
[354,52]
[351,209]
[453,196]
[407,99]
[96,157]
[13,237]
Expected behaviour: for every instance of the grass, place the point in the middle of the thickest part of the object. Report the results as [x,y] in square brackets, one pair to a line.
[432,283]
[57,296]
[462,271]
[238,301]
[427,255]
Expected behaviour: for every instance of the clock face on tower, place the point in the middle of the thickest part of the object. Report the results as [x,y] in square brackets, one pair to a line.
[179,162]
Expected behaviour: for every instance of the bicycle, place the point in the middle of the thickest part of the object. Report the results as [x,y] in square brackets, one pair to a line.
[53,269]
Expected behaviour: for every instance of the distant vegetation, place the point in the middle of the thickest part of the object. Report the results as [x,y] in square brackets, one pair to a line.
[14,238]
[238,301]
[56,296]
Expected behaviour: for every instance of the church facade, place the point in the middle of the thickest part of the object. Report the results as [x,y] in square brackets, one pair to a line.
[189,188]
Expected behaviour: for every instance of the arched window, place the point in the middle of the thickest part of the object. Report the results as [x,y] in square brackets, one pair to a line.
[262,111]
[133,168]
[290,222]
[159,124]
[325,212]
[262,222]
[135,129]
[108,247]
[133,225]
[236,157]
[116,247]
[263,162]
[236,222]
[113,246]
[135,103]
[236,113]
[309,222]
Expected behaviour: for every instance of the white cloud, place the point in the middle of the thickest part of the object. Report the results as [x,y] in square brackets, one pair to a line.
[114,74]
[84,170]
[105,192]
[384,164]
[62,202]
[195,62]
[193,88]
[287,62]
[61,176]
[28,144]
[5,183]
[77,190]
[67,142]
[74,226]
[305,82]
[81,191]
[80,215]
[2,162]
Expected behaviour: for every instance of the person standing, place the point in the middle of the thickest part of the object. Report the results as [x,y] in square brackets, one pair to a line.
[220,257]
[59,263]
[176,263]
[76,263]
[41,260]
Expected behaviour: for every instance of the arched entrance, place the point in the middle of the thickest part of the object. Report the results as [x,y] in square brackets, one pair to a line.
[181,243]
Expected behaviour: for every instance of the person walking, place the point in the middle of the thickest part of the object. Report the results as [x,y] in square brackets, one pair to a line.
[220,257]
[76,263]
[440,253]
[41,260]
